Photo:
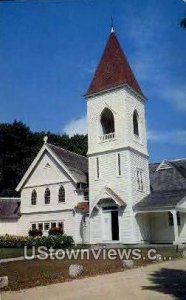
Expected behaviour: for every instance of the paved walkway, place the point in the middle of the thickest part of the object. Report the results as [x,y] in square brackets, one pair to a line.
[155,282]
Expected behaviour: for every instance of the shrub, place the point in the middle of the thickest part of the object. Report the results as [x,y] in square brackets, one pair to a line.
[13,241]
[35,232]
[56,231]
[54,241]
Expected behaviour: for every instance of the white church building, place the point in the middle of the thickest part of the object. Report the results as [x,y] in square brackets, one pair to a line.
[114,195]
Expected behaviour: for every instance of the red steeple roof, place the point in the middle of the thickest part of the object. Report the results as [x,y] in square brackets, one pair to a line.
[113,69]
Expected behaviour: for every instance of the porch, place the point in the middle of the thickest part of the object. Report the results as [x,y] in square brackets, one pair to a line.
[168,226]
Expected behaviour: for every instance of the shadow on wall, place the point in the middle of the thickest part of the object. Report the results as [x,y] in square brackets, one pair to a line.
[170,282]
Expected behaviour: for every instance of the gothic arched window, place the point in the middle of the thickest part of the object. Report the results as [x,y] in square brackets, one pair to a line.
[135,123]
[61,194]
[47,196]
[33,197]
[107,121]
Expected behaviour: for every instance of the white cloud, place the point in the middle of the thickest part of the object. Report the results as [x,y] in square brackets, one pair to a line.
[177,95]
[176,137]
[78,126]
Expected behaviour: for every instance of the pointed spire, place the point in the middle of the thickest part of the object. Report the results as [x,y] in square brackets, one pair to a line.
[112,25]
[113,69]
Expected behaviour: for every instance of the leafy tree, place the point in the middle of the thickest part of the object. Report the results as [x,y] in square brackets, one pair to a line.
[18,148]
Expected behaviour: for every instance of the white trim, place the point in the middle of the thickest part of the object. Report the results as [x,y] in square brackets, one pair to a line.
[118,149]
[124,86]
[100,196]
[164,166]
[47,211]
[34,163]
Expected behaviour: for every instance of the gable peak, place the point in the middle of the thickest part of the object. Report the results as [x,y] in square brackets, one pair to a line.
[164,165]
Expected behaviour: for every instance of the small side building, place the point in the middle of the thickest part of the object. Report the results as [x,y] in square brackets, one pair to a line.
[54,194]
[9,215]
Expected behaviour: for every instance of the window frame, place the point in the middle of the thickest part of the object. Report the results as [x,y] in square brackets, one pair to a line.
[170,219]
[135,122]
[40,223]
[33,226]
[47,198]
[33,197]
[107,116]
[140,180]
[61,194]
[47,225]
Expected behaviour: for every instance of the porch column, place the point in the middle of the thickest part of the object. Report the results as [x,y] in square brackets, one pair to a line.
[75,227]
[174,214]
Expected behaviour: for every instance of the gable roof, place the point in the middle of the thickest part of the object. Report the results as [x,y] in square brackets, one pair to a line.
[113,69]
[167,179]
[168,186]
[10,208]
[160,200]
[76,166]
[106,193]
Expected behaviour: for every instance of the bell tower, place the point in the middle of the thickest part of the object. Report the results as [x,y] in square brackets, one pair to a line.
[117,147]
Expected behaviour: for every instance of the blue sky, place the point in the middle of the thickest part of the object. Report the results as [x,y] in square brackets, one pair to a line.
[49,51]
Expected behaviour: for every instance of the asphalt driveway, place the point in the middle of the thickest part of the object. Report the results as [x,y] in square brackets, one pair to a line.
[154,282]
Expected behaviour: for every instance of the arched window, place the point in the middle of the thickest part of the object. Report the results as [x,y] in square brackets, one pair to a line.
[33,197]
[47,196]
[135,123]
[61,195]
[107,121]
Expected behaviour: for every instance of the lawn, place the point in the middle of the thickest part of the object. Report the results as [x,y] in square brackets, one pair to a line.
[12,252]
[26,274]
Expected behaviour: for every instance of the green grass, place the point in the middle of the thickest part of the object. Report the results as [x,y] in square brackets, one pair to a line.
[12,252]
[26,274]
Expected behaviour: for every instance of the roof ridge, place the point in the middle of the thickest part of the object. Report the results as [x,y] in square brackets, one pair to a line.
[177,159]
[67,150]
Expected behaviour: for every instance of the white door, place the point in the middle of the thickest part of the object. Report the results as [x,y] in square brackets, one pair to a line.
[107,228]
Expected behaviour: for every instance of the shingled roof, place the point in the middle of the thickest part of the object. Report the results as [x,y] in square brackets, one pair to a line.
[113,69]
[173,178]
[76,164]
[9,208]
[160,200]
[168,186]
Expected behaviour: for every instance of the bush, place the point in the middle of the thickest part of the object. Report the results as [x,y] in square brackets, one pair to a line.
[35,232]
[56,231]
[13,241]
[54,241]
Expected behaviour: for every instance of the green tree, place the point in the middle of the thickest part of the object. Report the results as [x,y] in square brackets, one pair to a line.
[18,148]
